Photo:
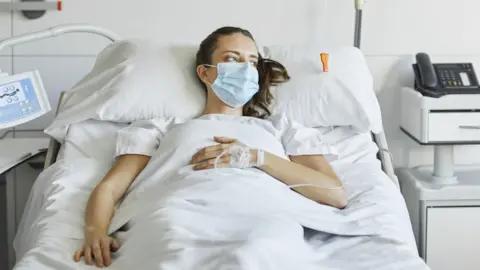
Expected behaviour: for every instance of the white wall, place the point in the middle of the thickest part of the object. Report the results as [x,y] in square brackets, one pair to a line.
[393,32]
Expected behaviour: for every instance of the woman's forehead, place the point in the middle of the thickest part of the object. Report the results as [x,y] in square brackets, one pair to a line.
[236,43]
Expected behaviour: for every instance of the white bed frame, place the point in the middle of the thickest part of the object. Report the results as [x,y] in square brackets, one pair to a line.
[383,155]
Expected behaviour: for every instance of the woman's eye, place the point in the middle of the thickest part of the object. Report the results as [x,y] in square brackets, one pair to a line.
[231,59]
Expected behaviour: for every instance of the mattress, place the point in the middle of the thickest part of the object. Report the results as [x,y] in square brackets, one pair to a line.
[93,143]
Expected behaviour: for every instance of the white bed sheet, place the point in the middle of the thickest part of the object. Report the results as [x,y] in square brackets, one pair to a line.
[94,141]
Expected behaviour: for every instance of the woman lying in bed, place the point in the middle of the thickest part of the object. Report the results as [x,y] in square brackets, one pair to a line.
[237,81]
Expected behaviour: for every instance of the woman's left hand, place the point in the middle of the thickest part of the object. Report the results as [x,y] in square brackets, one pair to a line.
[205,158]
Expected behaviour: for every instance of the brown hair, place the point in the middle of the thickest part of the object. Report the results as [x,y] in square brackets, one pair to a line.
[270,72]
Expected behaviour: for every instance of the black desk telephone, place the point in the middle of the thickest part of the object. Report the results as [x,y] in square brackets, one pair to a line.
[436,80]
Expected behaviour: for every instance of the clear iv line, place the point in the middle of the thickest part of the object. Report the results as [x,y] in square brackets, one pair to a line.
[317,186]
[240,158]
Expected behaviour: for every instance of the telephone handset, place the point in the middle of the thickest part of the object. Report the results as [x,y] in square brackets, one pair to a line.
[436,80]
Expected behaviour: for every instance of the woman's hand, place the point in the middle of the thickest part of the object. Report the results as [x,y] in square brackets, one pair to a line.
[205,158]
[97,249]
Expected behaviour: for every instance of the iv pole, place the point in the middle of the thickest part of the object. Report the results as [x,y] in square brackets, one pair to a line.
[383,153]
[359,4]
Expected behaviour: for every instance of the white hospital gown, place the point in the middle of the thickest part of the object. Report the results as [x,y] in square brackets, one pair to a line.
[172,143]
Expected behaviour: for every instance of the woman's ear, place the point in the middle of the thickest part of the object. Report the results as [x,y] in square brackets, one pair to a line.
[202,73]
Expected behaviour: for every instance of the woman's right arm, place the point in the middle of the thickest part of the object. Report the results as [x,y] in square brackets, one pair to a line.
[135,144]
[101,206]
[110,190]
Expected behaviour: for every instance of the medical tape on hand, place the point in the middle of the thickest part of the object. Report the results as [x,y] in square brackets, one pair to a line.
[241,156]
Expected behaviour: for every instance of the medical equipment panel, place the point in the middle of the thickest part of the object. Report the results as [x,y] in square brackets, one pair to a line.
[22,98]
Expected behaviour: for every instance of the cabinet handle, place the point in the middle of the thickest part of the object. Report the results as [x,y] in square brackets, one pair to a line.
[469,127]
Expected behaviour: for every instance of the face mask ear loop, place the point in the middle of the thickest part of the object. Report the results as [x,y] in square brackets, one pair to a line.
[208,65]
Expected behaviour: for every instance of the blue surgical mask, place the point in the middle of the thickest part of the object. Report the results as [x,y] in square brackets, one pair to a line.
[236,83]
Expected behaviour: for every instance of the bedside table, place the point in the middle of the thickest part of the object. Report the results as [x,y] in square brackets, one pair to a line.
[445,218]
[13,153]
[443,199]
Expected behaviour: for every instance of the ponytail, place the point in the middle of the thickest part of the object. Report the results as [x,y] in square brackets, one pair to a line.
[271,73]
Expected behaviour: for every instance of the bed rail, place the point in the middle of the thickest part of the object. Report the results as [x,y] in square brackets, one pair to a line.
[54,145]
[385,157]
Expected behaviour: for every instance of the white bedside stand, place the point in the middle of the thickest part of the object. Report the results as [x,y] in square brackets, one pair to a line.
[445,218]
[443,199]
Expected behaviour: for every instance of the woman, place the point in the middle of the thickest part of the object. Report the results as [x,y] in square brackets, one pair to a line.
[237,81]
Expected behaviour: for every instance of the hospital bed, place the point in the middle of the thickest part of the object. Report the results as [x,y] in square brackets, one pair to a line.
[397,251]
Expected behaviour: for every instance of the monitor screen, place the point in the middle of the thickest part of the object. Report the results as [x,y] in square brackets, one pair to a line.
[22,99]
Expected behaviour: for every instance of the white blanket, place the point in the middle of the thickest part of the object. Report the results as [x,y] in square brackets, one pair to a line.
[179,231]
[226,219]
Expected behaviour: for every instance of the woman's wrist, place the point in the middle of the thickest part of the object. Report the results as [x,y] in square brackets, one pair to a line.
[261,158]
[95,230]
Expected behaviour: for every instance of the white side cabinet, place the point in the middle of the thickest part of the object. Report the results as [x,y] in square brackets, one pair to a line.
[445,218]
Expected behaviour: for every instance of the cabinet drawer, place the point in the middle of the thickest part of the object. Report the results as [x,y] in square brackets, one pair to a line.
[447,127]
[452,238]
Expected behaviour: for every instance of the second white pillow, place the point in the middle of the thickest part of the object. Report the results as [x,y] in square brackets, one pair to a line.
[343,96]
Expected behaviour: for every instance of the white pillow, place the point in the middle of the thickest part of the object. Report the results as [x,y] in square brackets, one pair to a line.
[297,59]
[133,80]
[136,80]
[343,96]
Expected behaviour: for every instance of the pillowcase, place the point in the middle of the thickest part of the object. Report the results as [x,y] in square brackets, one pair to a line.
[134,80]
[343,96]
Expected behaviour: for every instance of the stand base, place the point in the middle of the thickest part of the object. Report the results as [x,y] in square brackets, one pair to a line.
[444,180]
[443,165]
[466,189]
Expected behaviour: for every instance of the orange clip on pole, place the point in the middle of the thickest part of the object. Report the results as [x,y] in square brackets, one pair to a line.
[60,5]
[324,59]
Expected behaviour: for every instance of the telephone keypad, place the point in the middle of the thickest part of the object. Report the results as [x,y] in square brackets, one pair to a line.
[454,75]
